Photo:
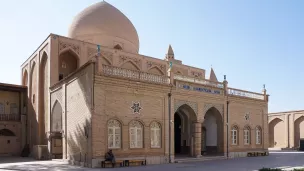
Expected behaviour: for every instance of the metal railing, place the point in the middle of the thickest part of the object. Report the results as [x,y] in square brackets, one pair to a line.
[9,117]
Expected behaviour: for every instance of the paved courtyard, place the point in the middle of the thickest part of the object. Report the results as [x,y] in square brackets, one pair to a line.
[276,159]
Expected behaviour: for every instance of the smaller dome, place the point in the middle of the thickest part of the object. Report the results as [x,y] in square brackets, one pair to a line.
[105,25]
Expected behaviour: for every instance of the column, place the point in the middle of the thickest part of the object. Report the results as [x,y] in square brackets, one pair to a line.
[286,130]
[197,139]
[64,125]
[291,131]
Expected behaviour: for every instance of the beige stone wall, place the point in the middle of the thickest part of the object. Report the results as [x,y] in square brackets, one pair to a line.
[285,129]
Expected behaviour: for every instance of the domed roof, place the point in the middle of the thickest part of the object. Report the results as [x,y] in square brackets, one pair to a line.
[105,25]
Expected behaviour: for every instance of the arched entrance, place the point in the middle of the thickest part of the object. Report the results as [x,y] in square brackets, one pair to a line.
[298,130]
[56,130]
[276,133]
[43,92]
[213,134]
[184,118]
[68,63]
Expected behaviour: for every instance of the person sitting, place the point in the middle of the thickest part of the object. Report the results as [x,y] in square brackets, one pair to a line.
[110,157]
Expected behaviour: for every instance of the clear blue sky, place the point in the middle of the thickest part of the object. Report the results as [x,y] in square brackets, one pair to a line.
[253,42]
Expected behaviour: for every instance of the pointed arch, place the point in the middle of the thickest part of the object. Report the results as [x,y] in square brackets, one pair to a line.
[25,78]
[7,132]
[43,100]
[276,136]
[33,84]
[213,123]
[155,70]
[298,130]
[68,62]
[56,117]
[130,65]
[178,72]
[118,47]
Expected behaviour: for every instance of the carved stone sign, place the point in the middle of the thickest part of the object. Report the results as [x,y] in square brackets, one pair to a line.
[247,116]
[136,107]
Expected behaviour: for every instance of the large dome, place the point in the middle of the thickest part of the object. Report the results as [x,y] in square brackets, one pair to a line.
[105,25]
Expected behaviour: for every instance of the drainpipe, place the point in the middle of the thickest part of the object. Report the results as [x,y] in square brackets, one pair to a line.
[169,104]
[227,132]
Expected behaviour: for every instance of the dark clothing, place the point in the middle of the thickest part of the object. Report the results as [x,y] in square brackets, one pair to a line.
[110,157]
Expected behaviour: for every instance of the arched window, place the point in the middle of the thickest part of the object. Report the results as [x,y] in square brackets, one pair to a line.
[258,135]
[234,135]
[114,134]
[14,108]
[6,132]
[136,134]
[155,134]
[1,108]
[247,135]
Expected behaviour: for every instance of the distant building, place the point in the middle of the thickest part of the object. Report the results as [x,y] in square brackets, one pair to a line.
[286,129]
[92,91]
[13,102]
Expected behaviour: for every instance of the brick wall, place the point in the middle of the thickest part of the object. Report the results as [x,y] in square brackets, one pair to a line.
[113,100]
[78,114]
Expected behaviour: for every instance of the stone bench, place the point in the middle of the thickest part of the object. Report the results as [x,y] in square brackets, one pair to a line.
[109,163]
[136,162]
[254,154]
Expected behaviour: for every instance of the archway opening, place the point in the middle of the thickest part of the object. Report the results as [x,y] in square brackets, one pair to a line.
[214,133]
[298,130]
[32,114]
[177,133]
[56,129]
[276,135]
[68,63]
[25,78]
[184,118]
[43,91]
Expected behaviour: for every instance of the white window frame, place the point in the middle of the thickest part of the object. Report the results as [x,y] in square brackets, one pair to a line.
[234,136]
[258,135]
[246,136]
[13,108]
[137,128]
[2,108]
[155,135]
[113,127]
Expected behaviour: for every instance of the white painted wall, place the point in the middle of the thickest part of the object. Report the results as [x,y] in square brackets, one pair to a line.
[211,130]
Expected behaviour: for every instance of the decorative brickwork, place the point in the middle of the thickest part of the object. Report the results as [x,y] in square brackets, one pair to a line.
[219,107]
[179,103]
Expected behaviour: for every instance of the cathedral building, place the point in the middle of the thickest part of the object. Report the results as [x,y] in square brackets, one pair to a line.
[92,91]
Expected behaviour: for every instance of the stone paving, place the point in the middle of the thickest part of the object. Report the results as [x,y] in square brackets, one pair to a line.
[277,159]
